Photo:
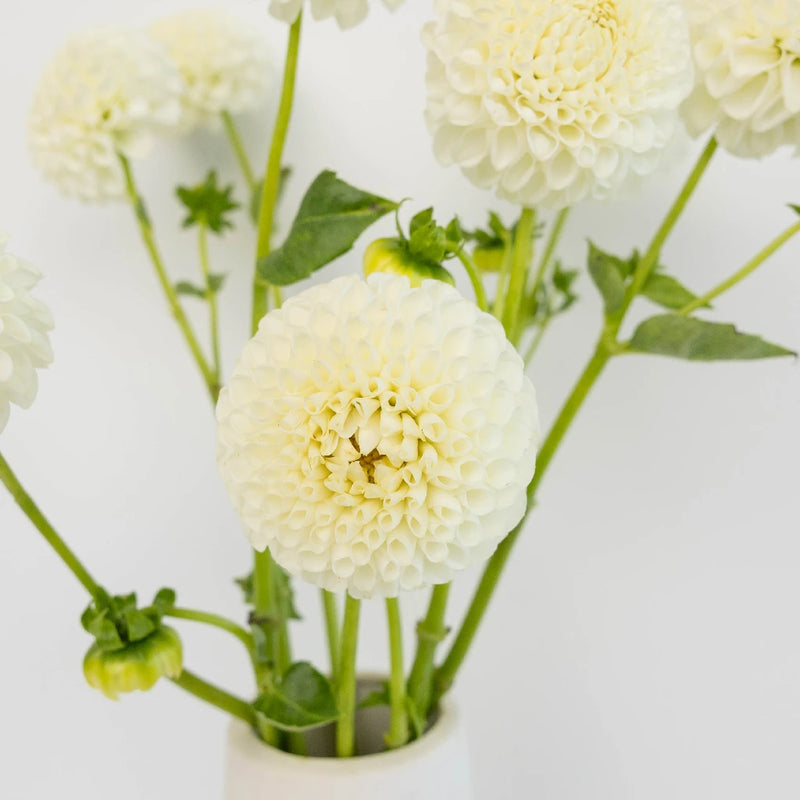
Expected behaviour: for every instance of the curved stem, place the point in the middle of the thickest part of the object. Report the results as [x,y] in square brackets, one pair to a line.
[215,696]
[34,514]
[272,180]
[750,267]
[239,150]
[211,298]
[346,687]
[474,277]
[146,230]
[216,621]
[398,731]
[430,632]
[523,253]
[332,629]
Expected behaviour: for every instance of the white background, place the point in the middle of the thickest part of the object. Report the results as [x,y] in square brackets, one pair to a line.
[644,642]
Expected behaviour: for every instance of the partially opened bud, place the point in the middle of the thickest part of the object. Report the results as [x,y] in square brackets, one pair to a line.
[393,255]
[136,666]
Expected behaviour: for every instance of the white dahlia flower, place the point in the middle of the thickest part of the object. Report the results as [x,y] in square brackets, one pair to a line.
[552,101]
[24,343]
[222,59]
[107,91]
[747,57]
[348,13]
[378,437]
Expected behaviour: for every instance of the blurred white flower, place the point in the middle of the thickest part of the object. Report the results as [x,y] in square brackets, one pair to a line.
[223,62]
[107,91]
[552,101]
[378,437]
[348,13]
[747,55]
[24,342]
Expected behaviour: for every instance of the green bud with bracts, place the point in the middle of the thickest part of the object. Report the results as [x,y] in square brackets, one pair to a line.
[393,255]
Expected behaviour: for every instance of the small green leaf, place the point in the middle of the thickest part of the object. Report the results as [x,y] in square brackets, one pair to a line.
[698,340]
[795,208]
[216,280]
[423,219]
[301,700]
[164,601]
[609,274]
[207,204]
[380,697]
[666,291]
[245,583]
[332,216]
[139,625]
[190,289]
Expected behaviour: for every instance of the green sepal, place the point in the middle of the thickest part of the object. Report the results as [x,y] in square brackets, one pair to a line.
[393,255]
[610,274]
[300,700]
[697,340]
[666,291]
[207,204]
[332,216]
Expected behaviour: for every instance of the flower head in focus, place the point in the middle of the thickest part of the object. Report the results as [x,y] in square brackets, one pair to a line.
[108,91]
[348,13]
[223,62]
[552,101]
[24,325]
[378,437]
[747,57]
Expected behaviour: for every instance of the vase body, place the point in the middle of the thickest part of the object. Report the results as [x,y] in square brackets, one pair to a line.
[435,767]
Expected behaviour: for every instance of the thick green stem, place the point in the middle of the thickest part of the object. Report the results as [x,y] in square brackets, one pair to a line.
[239,150]
[346,685]
[330,606]
[523,253]
[475,278]
[224,701]
[148,236]
[430,632]
[216,621]
[750,267]
[211,298]
[33,513]
[272,180]
[398,731]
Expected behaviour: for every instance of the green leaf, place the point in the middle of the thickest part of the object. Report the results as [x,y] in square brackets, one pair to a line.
[609,274]
[301,700]
[285,595]
[190,289]
[207,204]
[795,208]
[139,625]
[698,340]
[332,216]
[380,697]
[164,601]
[245,583]
[666,291]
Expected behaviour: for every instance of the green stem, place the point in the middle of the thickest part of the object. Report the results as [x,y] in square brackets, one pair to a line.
[223,623]
[32,511]
[148,236]
[550,248]
[498,307]
[211,297]
[346,686]
[269,194]
[430,631]
[398,731]
[239,150]
[750,267]
[533,347]
[332,628]
[523,253]
[224,701]
[475,279]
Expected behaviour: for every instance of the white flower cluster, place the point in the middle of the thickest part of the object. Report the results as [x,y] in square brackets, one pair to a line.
[378,437]
[552,101]
[108,91]
[348,13]
[24,325]
[223,62]
[747,54]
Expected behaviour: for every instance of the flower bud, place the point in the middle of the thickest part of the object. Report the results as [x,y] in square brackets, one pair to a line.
[136,665]
[393,255]
[489,258]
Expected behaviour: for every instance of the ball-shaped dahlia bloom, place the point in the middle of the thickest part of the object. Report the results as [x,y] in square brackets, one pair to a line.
[348,13]
[223,62]
[747,57]
[552,101]
[24,325]
[378,437]
[108,91]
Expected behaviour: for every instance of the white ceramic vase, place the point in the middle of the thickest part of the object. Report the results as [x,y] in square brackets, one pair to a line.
[435,767]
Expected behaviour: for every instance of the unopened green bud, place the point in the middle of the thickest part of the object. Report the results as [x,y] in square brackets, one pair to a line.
[136,666]
[489,258]
[393,255]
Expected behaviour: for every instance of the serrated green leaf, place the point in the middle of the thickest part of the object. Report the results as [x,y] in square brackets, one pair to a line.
[332,216]
[697,340]
[190,289]
[208,204]
[666,291]
[303,699]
